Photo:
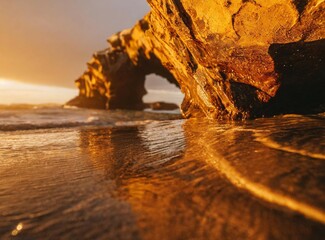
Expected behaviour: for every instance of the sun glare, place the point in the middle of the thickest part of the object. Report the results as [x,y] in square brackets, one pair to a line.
[15,92]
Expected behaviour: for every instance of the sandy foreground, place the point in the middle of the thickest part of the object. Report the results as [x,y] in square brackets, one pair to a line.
[133,175]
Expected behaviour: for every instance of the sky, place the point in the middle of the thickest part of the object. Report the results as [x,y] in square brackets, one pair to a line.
[48,42]
[12,92]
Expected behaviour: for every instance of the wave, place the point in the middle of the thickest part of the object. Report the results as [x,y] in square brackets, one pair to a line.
[31,117]
[290,149]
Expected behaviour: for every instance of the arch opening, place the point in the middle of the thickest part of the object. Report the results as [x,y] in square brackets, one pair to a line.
[161,94]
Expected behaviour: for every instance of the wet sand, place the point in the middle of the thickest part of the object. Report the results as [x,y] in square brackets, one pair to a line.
[165,179]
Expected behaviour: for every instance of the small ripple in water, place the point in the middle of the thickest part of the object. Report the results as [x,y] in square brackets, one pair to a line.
[150,177]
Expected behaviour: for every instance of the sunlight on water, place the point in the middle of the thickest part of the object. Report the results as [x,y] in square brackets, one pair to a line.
[91,174]
[14,92]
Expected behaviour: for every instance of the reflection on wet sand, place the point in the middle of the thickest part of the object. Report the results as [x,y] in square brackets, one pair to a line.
[177,179]
[189,196]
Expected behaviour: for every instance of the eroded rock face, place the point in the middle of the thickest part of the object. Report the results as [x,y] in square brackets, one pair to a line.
[115,76]
[232,59]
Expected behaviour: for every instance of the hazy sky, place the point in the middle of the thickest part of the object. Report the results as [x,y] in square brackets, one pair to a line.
[50,41]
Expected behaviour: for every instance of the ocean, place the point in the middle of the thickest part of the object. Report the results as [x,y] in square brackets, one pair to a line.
[95,174]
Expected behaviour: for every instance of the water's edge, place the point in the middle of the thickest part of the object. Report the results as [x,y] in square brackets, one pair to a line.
[138,175]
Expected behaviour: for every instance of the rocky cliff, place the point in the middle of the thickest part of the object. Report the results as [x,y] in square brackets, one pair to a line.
[232,59]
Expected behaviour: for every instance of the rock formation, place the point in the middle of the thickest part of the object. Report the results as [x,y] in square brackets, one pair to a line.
[232,59]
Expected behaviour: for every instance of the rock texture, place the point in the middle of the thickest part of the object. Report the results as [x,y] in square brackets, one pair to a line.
[232,59]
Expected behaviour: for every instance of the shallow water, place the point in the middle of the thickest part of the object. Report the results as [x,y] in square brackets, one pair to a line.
[88,174]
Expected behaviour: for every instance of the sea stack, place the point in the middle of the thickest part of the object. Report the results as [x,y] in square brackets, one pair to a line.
[232,59]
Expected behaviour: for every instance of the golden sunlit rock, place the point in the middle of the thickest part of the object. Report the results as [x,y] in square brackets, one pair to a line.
[232,59]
